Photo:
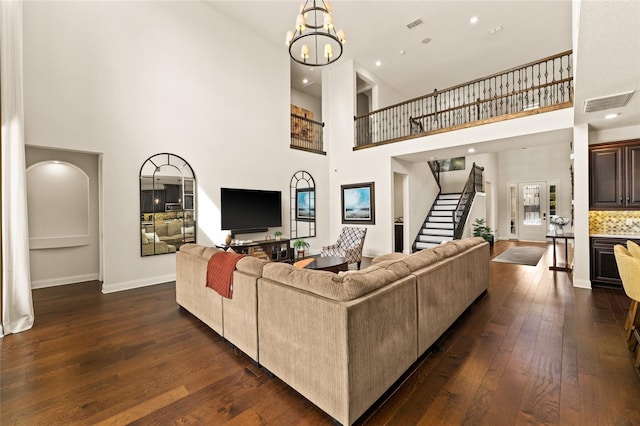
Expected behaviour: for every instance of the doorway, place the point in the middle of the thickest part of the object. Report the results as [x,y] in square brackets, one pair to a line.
[532,211]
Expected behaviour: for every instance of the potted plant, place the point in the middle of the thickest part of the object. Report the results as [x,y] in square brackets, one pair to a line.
[300,245]
[480,229]
[278,235]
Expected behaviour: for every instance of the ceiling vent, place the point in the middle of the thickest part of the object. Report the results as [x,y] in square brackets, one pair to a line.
[607,102]
[414,24]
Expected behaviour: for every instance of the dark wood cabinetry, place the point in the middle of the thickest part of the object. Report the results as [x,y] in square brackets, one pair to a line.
[615,176]
[274,250]
[604,270]
[399,237]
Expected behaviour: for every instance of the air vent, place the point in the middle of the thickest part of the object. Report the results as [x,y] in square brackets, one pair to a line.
[607,102]
[414,24]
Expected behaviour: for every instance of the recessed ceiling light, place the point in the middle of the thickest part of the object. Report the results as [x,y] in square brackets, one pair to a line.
[471,150]
[495,29]
[378,63]
[474,19]
[610,116]
[305,80]
[402,52]
[426,40]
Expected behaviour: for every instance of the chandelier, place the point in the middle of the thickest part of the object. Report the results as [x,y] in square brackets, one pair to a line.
[315,41]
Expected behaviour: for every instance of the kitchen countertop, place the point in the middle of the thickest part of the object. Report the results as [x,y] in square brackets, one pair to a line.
[627,236]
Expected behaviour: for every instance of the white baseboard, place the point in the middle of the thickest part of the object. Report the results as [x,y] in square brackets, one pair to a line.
[582,283]
[52,282]
[128,285]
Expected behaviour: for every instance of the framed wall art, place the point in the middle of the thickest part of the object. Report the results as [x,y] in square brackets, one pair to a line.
[305,204]
[358,203]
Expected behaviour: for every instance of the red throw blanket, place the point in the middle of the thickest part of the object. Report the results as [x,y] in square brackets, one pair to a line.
[220,272]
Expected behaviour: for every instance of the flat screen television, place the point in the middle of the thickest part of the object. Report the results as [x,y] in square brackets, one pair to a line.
[249,210]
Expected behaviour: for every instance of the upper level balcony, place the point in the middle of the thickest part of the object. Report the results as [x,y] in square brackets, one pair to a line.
[533,88]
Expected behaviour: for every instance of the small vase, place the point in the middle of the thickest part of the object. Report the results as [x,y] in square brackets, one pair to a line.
[227,240]
[559,230]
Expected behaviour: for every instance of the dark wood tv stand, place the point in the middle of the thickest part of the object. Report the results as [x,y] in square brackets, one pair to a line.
[274,250]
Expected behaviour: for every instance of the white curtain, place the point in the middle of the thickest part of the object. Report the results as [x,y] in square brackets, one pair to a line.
[17,305]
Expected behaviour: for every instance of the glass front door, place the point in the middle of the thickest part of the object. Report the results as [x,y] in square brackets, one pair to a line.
[532,211]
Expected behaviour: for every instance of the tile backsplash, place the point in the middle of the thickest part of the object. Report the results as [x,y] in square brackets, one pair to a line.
[614,222]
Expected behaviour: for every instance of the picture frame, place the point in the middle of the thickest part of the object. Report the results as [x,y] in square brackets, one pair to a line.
[358,203]
[451,164]
[305,204]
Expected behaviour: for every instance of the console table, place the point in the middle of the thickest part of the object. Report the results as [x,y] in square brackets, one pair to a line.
[566,236]
[274,250]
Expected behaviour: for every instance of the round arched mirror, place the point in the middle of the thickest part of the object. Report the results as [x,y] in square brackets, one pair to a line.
[167,204]
[303,205]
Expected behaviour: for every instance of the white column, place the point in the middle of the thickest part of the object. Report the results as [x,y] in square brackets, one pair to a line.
[581,264]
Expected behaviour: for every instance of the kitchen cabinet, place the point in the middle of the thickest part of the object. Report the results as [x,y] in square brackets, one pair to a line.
[614,176]
[604,269]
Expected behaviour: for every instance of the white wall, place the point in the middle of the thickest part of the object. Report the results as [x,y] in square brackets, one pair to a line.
[548,163]
[132,79]
[307,102]
[383,94]
[454,181]
[64,265]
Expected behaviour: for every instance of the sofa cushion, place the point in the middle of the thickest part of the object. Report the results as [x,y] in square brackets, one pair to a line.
[162,229]
[444,251]
[343,286]
[467,243]
[145,240]
[388,256]
[173,227]
[193,249]
[210,251]
[251,265]
[420,259]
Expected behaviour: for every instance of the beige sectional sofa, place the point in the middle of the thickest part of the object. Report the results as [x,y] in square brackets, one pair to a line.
[341,340]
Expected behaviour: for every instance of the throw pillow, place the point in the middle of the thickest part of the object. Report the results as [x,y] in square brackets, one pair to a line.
[145,240]
[152,236]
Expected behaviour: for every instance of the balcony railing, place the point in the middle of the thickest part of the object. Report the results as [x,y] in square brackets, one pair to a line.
[306,134]
[536,87]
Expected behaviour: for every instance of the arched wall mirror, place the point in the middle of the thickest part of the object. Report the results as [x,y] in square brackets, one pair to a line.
[303,205]
[167,204]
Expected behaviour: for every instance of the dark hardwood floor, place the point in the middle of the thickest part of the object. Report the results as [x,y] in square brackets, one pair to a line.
[534,350]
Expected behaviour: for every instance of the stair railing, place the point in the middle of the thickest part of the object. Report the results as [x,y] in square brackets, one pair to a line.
[435,169]
[475,183]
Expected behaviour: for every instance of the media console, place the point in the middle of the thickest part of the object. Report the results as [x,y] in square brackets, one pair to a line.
[274,250]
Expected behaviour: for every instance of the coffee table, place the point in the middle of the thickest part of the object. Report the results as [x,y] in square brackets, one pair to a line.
[328,263]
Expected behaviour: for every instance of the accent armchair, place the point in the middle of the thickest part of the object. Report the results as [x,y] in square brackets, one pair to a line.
[349,245]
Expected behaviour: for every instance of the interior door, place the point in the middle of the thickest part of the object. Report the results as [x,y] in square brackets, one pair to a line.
[532,211]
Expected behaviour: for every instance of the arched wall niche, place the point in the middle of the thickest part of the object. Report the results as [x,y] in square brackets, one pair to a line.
[58,200]
[303,205]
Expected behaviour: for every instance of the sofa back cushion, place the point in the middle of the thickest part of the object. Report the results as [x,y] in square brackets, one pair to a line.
[251,265]
[344,286]
[173,227]
[426,257]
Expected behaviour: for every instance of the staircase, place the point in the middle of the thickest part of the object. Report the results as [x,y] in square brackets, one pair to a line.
[438,226]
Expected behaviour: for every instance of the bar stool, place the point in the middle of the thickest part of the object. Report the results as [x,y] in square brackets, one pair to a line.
[629,267]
